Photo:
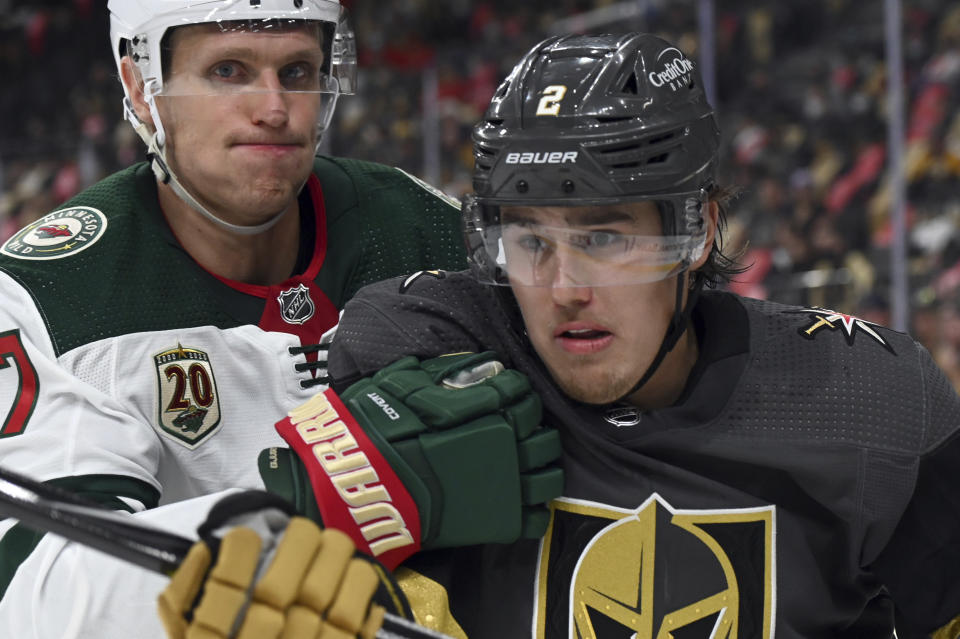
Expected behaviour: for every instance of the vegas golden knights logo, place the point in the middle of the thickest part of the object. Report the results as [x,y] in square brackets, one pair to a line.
[189,406]
[656,572]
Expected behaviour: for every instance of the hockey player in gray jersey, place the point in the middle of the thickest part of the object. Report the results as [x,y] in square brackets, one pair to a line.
[733,467]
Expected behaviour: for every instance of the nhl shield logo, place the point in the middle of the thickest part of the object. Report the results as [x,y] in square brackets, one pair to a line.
[189,407]
[296,307]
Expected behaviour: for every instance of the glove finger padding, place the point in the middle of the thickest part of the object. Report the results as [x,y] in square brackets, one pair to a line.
[315,585]
[177,599]
[451,390]
[464,436]
[445,452]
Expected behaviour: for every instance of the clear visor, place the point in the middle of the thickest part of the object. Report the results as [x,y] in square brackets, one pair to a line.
[278,67]
[534,249]
[248,56]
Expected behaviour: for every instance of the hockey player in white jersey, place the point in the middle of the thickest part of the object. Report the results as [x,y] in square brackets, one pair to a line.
[155,327]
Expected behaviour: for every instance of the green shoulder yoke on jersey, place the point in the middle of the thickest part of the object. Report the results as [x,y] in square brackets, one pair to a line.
[135,278]
[385,222]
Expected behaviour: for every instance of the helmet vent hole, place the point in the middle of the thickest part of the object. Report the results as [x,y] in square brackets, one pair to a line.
[662,158]
[485,152]
[614,119]
[484,157]
[630,85]
[662,138]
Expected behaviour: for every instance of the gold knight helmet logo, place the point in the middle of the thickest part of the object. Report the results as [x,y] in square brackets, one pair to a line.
[656,572]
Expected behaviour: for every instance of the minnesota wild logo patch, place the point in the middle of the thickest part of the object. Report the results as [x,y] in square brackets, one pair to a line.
[58,234]
[189,407]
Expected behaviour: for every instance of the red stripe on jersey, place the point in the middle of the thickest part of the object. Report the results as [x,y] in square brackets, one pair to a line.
[356,489]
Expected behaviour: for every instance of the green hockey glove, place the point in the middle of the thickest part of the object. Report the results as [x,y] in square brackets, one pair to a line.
[445,452]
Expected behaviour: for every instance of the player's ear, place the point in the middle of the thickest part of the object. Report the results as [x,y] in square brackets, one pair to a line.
[130,76]
[710,219]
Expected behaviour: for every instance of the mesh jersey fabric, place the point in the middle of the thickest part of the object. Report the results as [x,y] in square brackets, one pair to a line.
[151,379]
[788,485]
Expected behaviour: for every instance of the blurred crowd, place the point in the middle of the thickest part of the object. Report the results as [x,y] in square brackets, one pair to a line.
[801,87]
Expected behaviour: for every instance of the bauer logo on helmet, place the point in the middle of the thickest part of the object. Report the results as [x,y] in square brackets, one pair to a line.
[544,157]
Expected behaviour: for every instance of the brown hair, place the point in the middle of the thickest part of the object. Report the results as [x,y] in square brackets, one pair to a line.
[720,267]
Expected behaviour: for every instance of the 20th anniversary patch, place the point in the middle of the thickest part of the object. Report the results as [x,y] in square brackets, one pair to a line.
[58,234]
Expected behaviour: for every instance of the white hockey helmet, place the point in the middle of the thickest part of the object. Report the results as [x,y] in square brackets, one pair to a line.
[138,26]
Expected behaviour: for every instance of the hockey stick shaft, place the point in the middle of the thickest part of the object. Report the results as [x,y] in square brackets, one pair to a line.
[47,508]
[50,509]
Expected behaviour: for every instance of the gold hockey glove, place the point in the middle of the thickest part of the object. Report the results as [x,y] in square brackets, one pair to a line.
[294,581]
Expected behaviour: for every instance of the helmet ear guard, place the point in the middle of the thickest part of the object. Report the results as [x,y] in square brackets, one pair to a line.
[695,222]
[475,221]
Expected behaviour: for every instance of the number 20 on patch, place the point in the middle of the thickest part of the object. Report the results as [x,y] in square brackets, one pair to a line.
[550,100]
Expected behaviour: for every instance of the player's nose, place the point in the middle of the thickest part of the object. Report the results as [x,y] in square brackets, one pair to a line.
[567,291]
[270,102]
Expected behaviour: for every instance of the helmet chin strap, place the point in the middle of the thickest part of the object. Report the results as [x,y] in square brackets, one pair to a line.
[156,150]
[678,324]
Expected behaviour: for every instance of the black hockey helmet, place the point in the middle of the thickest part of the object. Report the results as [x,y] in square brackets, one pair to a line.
[595,120]
[587,120]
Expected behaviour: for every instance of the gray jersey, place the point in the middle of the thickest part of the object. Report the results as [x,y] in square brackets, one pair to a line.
[796,489]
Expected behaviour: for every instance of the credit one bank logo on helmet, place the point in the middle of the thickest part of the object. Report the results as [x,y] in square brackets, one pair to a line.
[545,157]
[675,70]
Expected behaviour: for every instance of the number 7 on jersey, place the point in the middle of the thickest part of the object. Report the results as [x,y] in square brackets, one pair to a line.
[19,385]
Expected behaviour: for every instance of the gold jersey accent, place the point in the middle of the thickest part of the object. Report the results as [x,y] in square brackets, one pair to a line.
[949,631]
[656,570]
[429,602]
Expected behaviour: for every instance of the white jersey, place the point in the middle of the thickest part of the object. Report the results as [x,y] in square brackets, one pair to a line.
[132,376]
[79,593]
[93,402]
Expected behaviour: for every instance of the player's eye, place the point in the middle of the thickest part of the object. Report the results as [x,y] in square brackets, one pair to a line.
[294,74]
[600,242]
[604,239]
[530,242]
[302,76]
[227,71]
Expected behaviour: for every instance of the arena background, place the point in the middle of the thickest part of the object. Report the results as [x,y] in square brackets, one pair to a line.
[812,129]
